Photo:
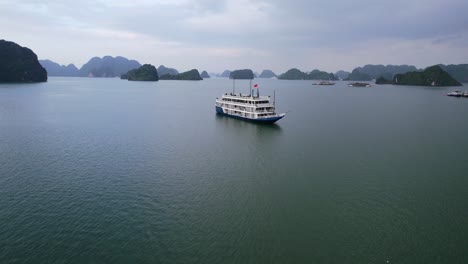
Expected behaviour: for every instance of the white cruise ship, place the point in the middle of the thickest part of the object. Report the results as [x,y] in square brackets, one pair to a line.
[248,107]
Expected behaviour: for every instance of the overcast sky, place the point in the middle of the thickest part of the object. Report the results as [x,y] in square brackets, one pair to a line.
[215,35]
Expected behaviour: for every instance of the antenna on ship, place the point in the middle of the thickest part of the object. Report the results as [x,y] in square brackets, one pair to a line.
[274,98]
[250,89]
[233,86]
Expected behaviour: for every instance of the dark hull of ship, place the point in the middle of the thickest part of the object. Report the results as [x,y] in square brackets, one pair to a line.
[266,120]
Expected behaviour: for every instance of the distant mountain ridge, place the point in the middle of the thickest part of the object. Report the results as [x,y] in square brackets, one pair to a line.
[357,75]
[376,71]
[296,74]
[108,66]
[55,69]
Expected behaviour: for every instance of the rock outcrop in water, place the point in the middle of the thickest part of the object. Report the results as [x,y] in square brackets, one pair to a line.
[192,75]
[19,64]
[431,76]
[245,74]
[205,75]
[55,69]
[108,67]
[267,74]
[146,72]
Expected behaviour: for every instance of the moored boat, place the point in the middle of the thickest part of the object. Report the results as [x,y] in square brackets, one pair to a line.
[455,94]
[249,107]
[359,84]
[324,83]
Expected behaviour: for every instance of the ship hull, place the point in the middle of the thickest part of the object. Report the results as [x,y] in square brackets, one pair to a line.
[267,120]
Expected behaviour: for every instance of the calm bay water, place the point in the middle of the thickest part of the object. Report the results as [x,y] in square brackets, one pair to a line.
[111,171]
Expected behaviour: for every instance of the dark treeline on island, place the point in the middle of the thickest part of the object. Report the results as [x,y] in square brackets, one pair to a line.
[19,64]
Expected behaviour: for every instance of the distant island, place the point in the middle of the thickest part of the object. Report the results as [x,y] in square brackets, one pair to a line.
[382,80]
[342,75]
[296,74]
[245,74]
[431,76]
[388,71]
[459,72]
[146,72]
[225,74]
[55,69]
[205,75]
[108,67]
[267,74]
[163,70]
[357,75]
[19,64]
[192,75]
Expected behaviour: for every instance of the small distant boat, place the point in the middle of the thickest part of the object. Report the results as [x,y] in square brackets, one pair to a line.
[456,94]
[324,83]
[359,84]
[465,94]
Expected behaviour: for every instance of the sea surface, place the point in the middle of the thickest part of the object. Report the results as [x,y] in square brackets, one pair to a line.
[96,170]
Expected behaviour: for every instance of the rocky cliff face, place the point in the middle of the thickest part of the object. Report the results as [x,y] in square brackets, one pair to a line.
[19,64]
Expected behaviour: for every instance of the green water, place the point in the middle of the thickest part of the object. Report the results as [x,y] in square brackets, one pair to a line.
[111,171]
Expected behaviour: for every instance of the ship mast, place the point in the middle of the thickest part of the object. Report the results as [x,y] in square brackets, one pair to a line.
[233,86]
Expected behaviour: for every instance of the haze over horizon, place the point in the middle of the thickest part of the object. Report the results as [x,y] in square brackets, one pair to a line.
[216,35]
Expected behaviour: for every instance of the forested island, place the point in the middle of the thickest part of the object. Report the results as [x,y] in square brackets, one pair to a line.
[205,75]
[146,72]
[296,74]
[192,75]
[431,76]
[245,74]
[19,64]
